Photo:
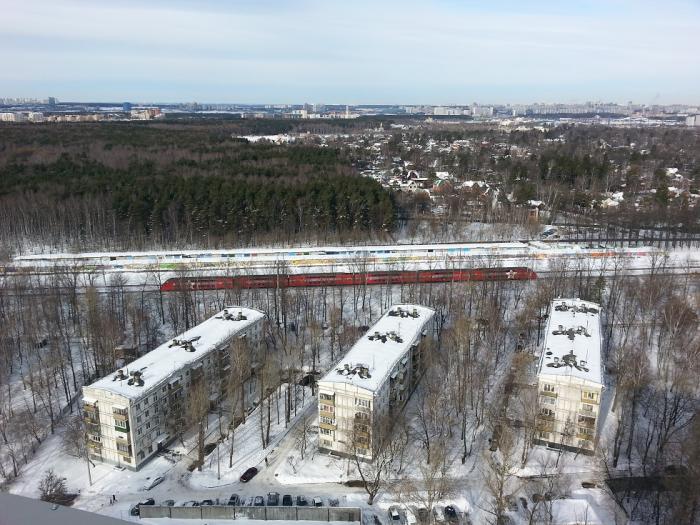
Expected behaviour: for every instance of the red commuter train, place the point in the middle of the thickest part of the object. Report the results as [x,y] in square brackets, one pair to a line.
[301,280]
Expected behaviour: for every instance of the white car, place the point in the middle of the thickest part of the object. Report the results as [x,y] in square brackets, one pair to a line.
[154,482]
[410,517]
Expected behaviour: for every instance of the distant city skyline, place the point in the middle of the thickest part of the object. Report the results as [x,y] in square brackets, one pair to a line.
[407,53]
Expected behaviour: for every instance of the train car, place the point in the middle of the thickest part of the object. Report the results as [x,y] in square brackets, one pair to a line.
[302,280]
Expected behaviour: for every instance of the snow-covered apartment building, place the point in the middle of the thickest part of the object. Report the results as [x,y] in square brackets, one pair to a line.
[134,412]
[569,376]
[374,380]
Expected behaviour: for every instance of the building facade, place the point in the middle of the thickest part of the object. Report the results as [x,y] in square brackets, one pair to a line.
[133,413]
[374,380]
[569,377]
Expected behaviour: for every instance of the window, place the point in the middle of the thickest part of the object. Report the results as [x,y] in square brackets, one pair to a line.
[326,443]
[120,424]
[548,388]
[361,403]
[585,407]
[138,419]
[548,412]
[361,451]
[548,400]
[122,447]
[138,431]
[590,395]
[327,420]
[544,435]
[148,425]
[138,406]
[327,397]
[325,432]
[150,448]
[93,437]
[361,415]
[327,408]
[145,401]
[148,412]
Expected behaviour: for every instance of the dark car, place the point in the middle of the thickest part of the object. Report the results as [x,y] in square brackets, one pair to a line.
[249,474]
[451,514]
[333,502]
[302,501]
[287,500]
[168,503]
[234,500]
[273,499]
[259,501]
[206,502]
[136,511]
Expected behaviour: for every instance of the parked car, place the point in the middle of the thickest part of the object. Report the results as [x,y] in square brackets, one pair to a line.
[136,511]
[512,503]
[422,514]
[588,484]
[191,503]
[410,517]
[259,501]
[234,500]
[249,474]
[523,502]
[395,516]
[302,501]
[451,513]
[287,500]
[333,502]
[168,503]
[273,499]
[317,502]
[154,482]
[206,502]
[439,514]
[248,501]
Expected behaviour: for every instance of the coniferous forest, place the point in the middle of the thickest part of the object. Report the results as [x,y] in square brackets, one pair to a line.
[131,185]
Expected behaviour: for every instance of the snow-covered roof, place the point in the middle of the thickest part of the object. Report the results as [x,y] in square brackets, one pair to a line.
[374,355]
[160,364]
[572,341]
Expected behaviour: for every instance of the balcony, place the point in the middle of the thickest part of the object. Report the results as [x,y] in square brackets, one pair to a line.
[327,399]
[545,426]
[94,445]
[595,401]
[323,413]
[548,394]
[328,426]
[124,453]
[583,435]
[586,421]
[546,417]
[120,417]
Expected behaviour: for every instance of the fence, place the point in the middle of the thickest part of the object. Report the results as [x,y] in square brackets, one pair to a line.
[349,514]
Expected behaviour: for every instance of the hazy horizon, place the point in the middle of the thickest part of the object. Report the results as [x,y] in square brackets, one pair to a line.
[277,52]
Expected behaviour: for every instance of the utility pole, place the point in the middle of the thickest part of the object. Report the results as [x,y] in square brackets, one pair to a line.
[218,460]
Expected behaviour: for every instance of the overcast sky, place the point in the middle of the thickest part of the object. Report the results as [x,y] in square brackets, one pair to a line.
[351,51]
